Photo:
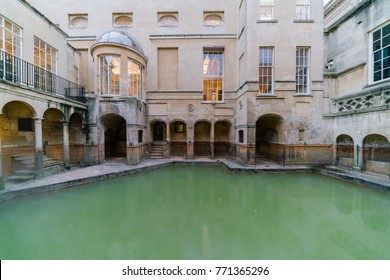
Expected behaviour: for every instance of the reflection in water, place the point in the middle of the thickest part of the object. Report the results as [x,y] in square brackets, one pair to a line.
[206,242]
[374,219]
[200,213]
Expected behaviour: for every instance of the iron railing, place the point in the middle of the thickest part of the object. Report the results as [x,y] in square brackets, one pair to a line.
[18,71]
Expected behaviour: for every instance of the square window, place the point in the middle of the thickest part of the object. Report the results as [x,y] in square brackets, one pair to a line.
[25,124]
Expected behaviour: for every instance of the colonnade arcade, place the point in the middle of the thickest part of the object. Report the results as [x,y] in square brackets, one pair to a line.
[202,138]
[371,153]
[36,137]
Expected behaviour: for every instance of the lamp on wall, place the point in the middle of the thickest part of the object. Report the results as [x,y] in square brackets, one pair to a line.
[213,95]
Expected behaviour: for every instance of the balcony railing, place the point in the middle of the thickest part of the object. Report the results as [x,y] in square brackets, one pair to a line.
[21,72]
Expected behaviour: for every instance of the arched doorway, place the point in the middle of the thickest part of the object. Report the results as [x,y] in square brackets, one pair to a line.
[17,136]
[202,138]
[159,130]
[76,139]
[268,134]
[221,138]
[344,150]
[53,134]
[114,128]
[376,154]
[178,138]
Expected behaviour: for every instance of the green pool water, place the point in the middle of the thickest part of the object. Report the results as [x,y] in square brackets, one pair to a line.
[200,213]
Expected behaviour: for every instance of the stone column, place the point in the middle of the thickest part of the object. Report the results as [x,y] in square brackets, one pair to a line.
[212,140]
[358,156]
[190,142]
[167,148]
[65,126]
[38,154]
[251,144]
[91,151]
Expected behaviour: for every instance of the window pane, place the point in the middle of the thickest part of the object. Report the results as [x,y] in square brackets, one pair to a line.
[386,41]
[377,76]
[265,13]
[386,30]
[7,25]
[386,63]
[376,35]
[386,73]
[378,65]
[302,12]
[386,52]
[376,45]
[377,55]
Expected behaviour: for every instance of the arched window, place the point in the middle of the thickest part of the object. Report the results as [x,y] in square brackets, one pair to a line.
[240,136]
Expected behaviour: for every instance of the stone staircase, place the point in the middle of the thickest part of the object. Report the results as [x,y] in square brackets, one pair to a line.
[25,168]
[157,150]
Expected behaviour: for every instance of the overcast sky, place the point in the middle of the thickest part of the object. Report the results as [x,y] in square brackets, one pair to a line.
[326,1]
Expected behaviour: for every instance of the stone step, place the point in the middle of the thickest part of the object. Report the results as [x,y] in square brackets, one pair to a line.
[25,172]
[23,157]
[155,157]
[157,150]
[20,178]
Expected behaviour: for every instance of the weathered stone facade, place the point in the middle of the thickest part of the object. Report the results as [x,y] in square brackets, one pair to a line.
[358,105]
[199,79]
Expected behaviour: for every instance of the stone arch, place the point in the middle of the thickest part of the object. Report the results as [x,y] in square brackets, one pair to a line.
[222,131]
[202,137]
[17,134]
[269,136]
[178,138]
[76,138]
[113,136]
[345,150]
[158,130]
[376,154]
[53,134]
[16,104]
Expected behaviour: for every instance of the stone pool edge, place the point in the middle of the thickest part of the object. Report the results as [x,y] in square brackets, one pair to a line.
[41,187]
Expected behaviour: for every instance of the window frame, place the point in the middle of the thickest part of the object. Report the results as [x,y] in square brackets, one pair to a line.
[308,14]
[372,53]
[16,50]
[265,6]
[299,68]
[218,96]
[272,67]
[139,81]
[109,87]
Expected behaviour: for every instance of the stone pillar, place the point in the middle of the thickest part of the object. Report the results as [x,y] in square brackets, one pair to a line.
[358,156]
[167,148]
[65,126]
[212,140]
[251,144]
[91,149]
[190,142]
[38,154]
